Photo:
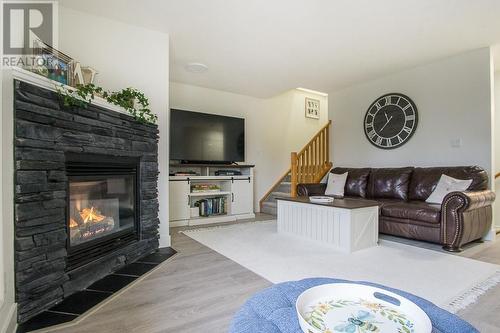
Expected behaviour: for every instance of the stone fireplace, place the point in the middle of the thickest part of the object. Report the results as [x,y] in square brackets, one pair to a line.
[86,200]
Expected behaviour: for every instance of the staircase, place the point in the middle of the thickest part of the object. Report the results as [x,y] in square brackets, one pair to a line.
[309,165]
[282,189]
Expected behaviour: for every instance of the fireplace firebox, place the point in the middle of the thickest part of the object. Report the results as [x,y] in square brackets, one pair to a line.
[102,211]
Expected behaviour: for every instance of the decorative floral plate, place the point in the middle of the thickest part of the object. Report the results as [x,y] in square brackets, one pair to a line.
[320,199]
[355,308]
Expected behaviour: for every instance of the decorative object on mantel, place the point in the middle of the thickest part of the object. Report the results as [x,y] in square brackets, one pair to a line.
[52,63]
[312,108]
[131,99]
[82,75]
[89,74]
[134,102]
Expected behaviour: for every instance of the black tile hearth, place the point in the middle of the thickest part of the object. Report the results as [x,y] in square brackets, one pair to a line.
[81,302]
[112,283]
[45,319]
[159,256]
[136,269]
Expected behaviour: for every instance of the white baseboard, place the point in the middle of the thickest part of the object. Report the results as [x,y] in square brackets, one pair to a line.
[179,223]
[491,235]
[8,318]
[164,240]
[245,216]
[211,220]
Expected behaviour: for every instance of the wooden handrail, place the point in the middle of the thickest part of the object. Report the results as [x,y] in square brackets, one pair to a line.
[497,175]
[328,124]
[312,162]
[309,164]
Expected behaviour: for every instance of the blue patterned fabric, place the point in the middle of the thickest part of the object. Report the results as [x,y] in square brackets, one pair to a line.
[273,310]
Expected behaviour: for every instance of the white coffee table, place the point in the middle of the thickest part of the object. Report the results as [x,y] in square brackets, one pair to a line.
[348,225]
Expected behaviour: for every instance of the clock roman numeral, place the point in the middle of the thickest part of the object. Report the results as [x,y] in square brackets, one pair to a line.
[407,129]
[410,117]
[371,134]
[399,139]
[389,143]
[378,141]
[406,106]
[378,106]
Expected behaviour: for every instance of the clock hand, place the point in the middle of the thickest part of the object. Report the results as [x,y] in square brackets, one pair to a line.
[388,120]
[385,113]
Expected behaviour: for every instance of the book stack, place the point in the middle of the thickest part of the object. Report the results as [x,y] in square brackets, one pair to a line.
[212,206]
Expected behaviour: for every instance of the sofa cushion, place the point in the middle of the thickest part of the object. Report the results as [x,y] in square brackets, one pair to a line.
[357,180]
[413,210]
[447,185]
[389,183]
[336,184]
[424,180]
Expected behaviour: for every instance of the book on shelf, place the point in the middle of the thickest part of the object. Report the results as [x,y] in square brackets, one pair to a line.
[212,206]
[197,188]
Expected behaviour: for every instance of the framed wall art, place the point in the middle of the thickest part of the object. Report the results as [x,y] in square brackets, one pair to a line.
[52,63]
[312,108]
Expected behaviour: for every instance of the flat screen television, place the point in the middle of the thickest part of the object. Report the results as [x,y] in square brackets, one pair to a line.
[197,137]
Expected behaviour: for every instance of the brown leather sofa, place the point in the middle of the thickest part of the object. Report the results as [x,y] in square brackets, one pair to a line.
[463,217]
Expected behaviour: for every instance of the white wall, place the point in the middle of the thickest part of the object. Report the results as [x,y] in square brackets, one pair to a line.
[7,297]
[497,146]
[453,98]
[125,56]
[274,127]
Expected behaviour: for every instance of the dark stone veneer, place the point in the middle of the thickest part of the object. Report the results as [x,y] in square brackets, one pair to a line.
[44,132]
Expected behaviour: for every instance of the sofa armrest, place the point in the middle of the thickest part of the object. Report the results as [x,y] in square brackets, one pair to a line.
[306,190]
[465,217]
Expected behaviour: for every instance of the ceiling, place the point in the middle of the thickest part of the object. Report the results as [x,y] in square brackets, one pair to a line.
[264,47]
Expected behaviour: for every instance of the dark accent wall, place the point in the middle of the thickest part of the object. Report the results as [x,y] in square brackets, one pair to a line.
[44,132]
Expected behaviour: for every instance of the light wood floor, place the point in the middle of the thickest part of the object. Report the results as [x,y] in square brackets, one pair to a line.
[199,290]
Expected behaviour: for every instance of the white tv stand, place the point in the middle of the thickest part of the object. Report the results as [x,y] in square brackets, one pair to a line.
[237,191]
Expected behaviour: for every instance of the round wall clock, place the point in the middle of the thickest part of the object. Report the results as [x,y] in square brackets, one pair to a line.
[390,121]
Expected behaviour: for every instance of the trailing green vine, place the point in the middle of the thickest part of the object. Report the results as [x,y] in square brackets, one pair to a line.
[132,100]
[135,103]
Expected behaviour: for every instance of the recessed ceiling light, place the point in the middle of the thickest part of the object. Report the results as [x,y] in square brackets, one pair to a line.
[196,67]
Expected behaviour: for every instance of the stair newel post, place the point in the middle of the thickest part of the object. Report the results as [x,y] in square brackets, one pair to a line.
[294,175]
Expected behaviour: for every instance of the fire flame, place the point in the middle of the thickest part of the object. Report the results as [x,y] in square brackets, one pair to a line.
[91,215]
[72,223]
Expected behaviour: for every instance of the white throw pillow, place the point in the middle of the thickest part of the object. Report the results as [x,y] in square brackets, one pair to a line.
[335,185]
[446,185]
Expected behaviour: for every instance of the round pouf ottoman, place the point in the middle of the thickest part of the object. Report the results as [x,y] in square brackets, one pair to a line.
[273,309]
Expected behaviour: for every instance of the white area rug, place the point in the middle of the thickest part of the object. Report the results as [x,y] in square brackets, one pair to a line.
[447,280]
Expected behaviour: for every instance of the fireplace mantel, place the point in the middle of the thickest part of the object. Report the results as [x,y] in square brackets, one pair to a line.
[43,82]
